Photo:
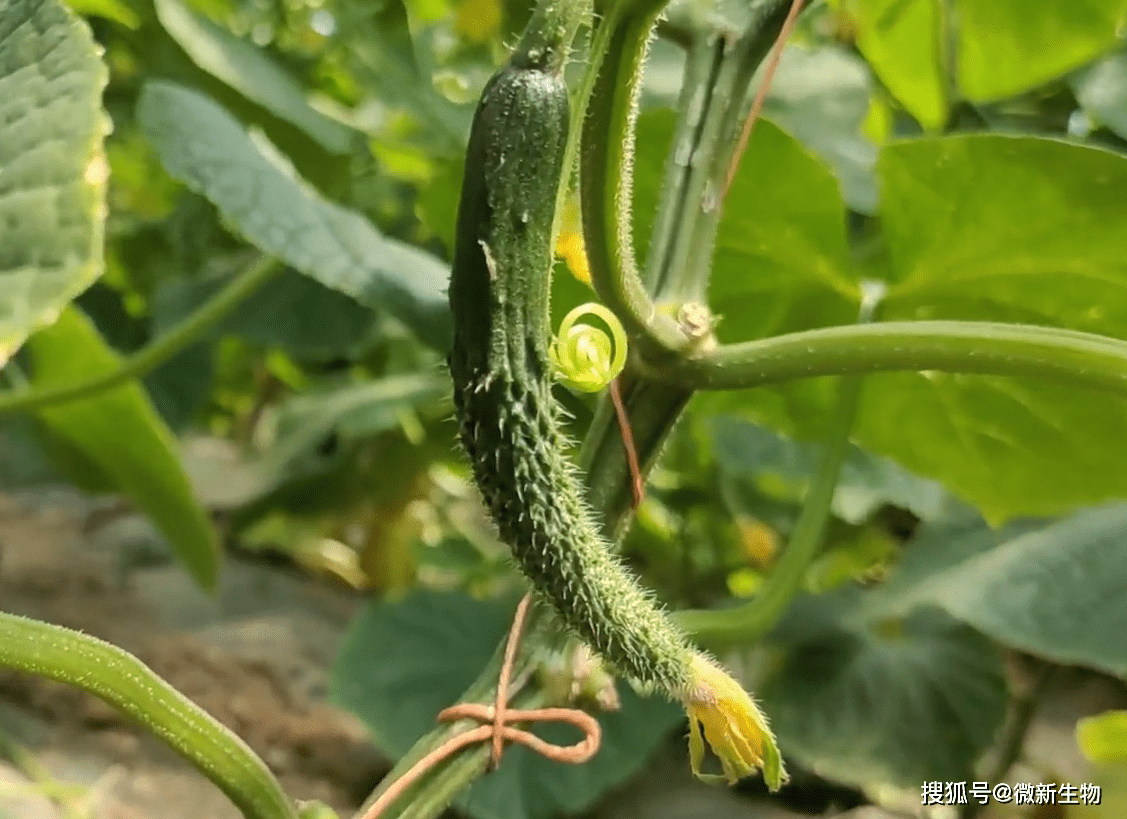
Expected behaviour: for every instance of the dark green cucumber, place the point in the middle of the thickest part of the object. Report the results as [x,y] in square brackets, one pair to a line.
[509,421]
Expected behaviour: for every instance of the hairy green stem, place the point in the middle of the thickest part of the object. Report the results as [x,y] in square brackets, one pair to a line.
[677,208]
[733,100]
[129,685]
[605,179]
[714,102]
[983,348]
[156,352]
[546,41]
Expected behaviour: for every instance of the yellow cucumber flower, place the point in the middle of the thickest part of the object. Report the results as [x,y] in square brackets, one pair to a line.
[734,726]
[569,243]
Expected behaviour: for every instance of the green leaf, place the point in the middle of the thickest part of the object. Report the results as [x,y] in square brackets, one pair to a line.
[1102,92]
[403,662]
[1055,591]
[52,166]
[781,257]
[1002,49]
[1002,228]
[1005,47]
[1008,229]
[877,703]
[259,191]
[116,10]
[1104,738]
[120,433]
[902,42]
[356,410]
[295,313]
[251,72]
[821,97]
[867,482]
[1009,446]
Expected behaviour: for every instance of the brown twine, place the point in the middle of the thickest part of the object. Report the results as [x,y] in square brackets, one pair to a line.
[498,729]
[636,482]
[761,95]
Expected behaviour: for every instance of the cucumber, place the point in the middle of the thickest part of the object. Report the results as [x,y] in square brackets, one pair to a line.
[509,422]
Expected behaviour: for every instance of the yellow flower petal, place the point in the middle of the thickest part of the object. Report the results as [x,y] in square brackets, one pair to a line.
[733,725]
[569,243]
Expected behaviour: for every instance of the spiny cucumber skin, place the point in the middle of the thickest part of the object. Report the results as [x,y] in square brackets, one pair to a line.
[509,422]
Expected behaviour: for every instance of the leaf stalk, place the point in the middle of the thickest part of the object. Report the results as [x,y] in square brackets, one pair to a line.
[156,352]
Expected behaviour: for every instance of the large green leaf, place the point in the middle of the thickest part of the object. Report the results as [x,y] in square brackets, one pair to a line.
[1009,46]
[1002,47]
[990,228]
[821,97]
[121,435]
[781,257]
[901,41]
[1056,590]
[52,168]
[1009,446]
[262,195]
[1005,229]
[883,702]
[249,70]
[404,662]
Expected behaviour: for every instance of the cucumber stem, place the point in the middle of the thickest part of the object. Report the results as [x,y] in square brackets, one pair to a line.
[546,42]
[985,348]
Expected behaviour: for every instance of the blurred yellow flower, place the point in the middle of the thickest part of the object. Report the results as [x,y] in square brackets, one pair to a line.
[569,243]
[734,726]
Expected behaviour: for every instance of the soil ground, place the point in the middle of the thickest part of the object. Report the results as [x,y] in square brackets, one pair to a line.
[257,657]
